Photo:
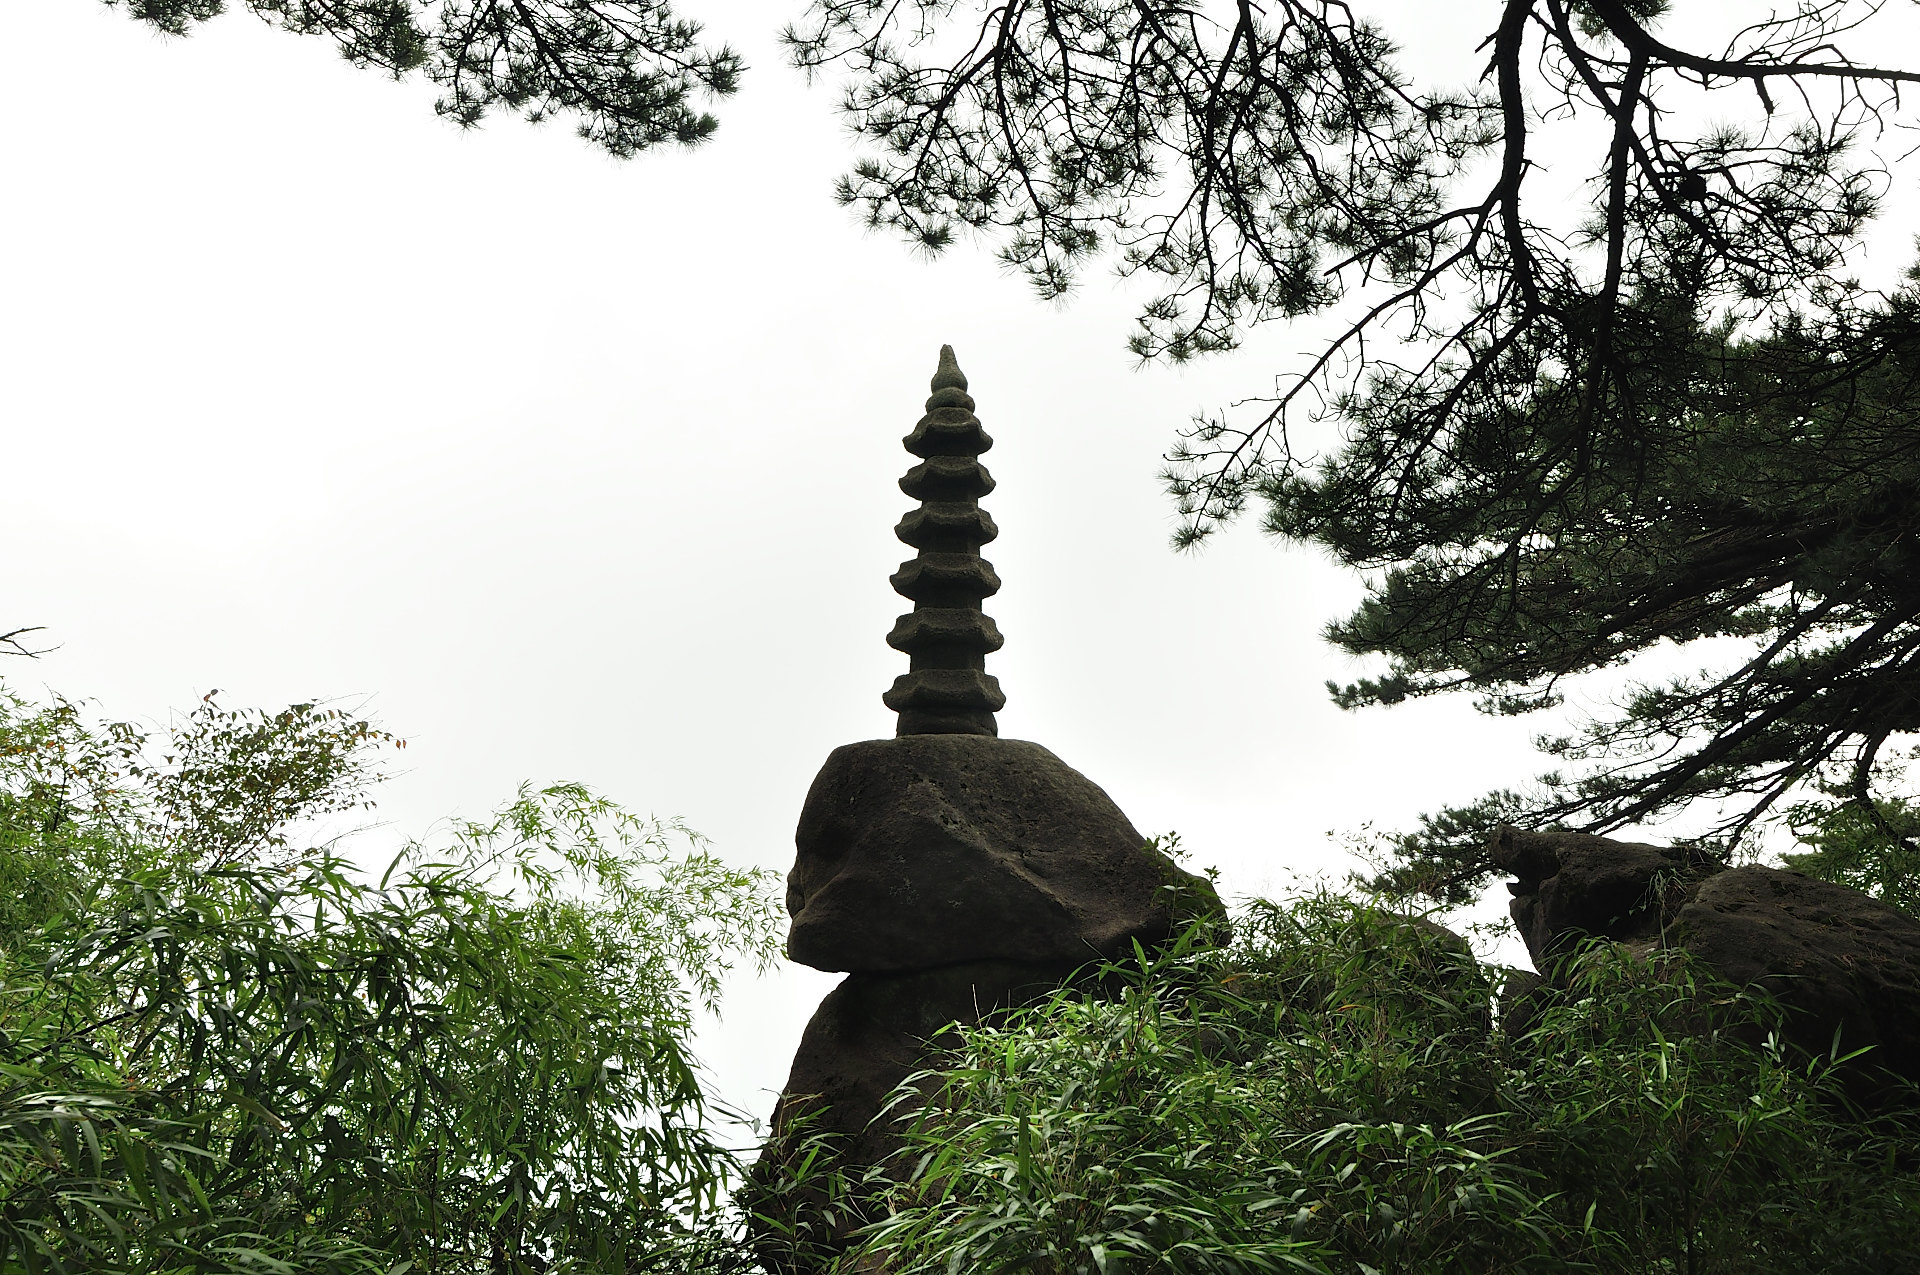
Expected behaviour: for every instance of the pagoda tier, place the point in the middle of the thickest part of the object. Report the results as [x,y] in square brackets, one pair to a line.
[946,636]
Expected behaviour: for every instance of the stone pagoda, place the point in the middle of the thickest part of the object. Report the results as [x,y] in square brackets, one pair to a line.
[949,873]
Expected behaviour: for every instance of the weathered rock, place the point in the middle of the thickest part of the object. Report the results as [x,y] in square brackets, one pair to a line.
[1838,960]
[1573,885]
[869,1034]
[933,850]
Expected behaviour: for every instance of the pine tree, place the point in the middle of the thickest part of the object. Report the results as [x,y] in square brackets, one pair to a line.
[1768,491]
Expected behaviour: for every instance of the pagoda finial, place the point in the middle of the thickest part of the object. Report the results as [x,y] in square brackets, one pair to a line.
[947,690]
[948,375]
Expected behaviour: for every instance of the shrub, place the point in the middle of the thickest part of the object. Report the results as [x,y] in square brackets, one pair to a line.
[224,1050]
[1330,1094]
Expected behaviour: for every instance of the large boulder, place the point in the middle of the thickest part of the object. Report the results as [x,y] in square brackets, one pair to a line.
[1842,964]
[933,850]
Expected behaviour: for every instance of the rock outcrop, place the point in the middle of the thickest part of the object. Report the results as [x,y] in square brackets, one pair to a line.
[1574,885]
[1843,965]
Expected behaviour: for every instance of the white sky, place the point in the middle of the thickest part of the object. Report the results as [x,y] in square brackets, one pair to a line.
[576,469]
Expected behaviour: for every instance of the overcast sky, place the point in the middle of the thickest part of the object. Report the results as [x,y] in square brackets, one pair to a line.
[575,469]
